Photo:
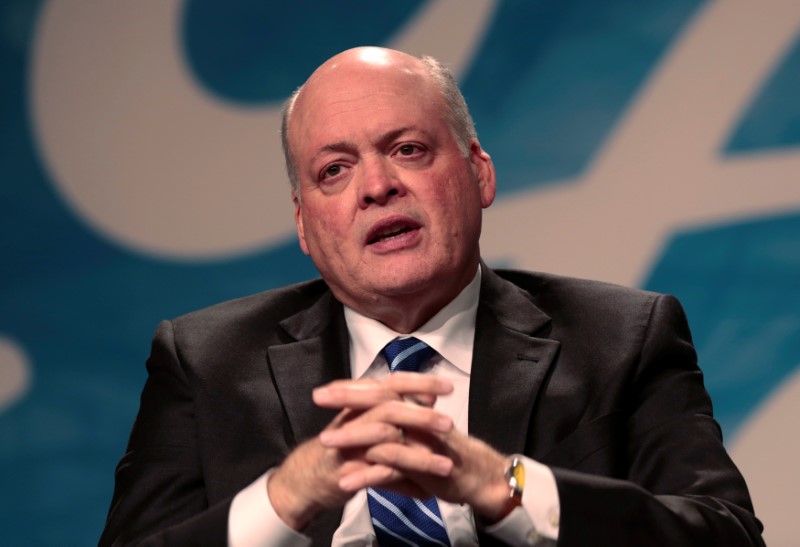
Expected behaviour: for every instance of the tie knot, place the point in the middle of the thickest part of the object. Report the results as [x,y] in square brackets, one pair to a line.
[407,354]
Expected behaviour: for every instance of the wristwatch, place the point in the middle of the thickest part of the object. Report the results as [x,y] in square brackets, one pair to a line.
[515,473]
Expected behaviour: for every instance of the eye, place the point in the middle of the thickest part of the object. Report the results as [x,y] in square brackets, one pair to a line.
[332,170]
[409,150]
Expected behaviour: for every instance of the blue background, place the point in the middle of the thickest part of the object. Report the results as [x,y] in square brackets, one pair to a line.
[546,86]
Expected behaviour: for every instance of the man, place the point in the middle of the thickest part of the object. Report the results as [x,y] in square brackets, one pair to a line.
[589,391]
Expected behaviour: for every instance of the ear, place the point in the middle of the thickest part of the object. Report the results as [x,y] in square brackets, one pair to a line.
[298,221]
[483,168]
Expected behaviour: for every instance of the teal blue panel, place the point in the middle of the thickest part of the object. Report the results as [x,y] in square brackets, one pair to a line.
[253,51]
[554,77]
[740,285]
[772,120]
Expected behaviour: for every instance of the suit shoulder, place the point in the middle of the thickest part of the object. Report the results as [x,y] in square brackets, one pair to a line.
[558,294]
[592,312]
[254,312]
[535,282]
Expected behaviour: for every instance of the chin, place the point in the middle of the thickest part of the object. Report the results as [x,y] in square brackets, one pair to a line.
[409,283]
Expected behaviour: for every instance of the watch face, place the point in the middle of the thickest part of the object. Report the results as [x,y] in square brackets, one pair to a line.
[516,475]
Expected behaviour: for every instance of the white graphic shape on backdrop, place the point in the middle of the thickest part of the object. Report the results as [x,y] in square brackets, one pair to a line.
[142,153]
[15,373]
[150,160]
[767,450]
[662,168]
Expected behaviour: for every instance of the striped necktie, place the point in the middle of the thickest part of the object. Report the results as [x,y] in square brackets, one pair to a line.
[402,520]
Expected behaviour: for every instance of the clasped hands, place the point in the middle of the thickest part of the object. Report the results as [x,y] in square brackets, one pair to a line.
[387,435]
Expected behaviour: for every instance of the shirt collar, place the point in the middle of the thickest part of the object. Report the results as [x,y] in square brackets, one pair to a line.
[451,332]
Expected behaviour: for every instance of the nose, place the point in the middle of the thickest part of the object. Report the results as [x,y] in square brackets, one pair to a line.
[379,182]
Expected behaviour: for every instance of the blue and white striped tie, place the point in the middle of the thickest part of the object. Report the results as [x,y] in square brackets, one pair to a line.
[401,520]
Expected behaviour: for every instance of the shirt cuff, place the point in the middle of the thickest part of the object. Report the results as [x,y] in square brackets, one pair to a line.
[253,522]
[536,522]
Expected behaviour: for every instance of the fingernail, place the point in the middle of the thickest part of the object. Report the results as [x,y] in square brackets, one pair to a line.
[444,424]
[347,483]
[442,466]
[322,394]
[325,437]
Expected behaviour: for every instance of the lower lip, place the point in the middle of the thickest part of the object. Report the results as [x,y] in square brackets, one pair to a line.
[401,242]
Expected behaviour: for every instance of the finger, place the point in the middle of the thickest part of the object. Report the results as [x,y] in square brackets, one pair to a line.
[382,423]
[414,383]
[410,459]
[352,393]
[421,400]
[410,416]
[361,434]
[367,393]
[369,476]
[381,476]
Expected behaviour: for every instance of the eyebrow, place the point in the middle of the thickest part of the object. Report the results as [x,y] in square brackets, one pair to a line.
[340,146]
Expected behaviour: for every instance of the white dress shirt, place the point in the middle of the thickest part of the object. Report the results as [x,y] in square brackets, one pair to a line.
[451,332]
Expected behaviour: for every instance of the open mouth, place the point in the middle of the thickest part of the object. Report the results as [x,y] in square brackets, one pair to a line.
[392,229]
[392,233]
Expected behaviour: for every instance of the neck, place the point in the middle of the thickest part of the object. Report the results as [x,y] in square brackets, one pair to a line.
[406,313]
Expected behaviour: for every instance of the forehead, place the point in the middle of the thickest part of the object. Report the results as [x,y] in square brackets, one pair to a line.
[347,102]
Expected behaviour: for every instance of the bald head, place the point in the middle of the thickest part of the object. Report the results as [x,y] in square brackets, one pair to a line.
[360,65]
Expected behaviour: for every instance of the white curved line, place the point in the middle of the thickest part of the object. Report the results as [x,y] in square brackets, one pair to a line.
[147,158]
[662,168]
[450,30]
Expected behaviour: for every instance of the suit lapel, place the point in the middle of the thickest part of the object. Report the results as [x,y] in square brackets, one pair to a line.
[509,367]
[509,363]
[511,358]
[316,353]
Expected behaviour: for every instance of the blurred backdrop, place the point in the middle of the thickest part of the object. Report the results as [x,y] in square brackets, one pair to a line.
[648,143]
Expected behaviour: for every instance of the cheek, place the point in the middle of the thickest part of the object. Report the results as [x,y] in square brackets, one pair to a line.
[332,224]
[456,200]
[325,230]
[459,211]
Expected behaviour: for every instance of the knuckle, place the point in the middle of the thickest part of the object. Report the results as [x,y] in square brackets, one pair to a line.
[392,454]
[386,431]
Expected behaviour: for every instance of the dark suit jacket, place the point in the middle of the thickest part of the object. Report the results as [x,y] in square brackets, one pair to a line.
[598,381]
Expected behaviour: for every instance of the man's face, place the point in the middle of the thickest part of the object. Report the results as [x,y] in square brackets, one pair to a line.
[389,206]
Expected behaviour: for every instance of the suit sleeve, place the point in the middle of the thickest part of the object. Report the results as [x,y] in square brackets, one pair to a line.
[681,487]
[159,494]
